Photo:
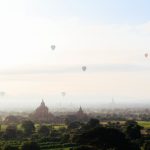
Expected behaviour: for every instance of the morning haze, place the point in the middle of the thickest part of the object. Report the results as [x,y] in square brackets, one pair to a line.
[112,46]
[74,75]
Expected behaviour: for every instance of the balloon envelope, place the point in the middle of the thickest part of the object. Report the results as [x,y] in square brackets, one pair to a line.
[63,94]
[2,93]
[84,68]
[146,55]
[53,47]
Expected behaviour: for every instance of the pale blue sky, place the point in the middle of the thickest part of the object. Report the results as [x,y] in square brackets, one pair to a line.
[110,37]
[94,11]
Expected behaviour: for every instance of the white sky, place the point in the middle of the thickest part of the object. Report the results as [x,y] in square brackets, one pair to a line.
[30,70]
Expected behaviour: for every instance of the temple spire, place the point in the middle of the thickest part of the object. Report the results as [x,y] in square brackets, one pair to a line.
[42,103]
[80,110]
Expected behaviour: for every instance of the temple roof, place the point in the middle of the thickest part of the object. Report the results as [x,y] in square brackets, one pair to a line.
[43,103]
[42,107]
[80,110]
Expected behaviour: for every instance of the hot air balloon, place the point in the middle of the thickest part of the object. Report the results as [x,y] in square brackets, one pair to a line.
[146,55]
[84,68]
[53,47]
[63,94]
[2,93]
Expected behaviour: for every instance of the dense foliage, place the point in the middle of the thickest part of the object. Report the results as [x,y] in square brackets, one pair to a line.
[91,135]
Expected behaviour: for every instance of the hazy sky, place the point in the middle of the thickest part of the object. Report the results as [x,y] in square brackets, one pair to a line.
[109,37]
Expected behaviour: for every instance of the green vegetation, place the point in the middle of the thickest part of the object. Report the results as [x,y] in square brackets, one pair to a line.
[93,135]
[145,124]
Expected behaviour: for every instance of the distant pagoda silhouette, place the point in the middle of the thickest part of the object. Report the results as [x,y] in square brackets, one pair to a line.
[42,114]
[81,115]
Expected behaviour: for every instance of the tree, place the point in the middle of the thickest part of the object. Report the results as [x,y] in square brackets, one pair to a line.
[133,130]
[11,132]
[44,130]
[65,137]
[85,148]
[30,146]
[11,119]
[146,145]
[74,125]
[92,123]
[104,138]
[28,127]
[10,147]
